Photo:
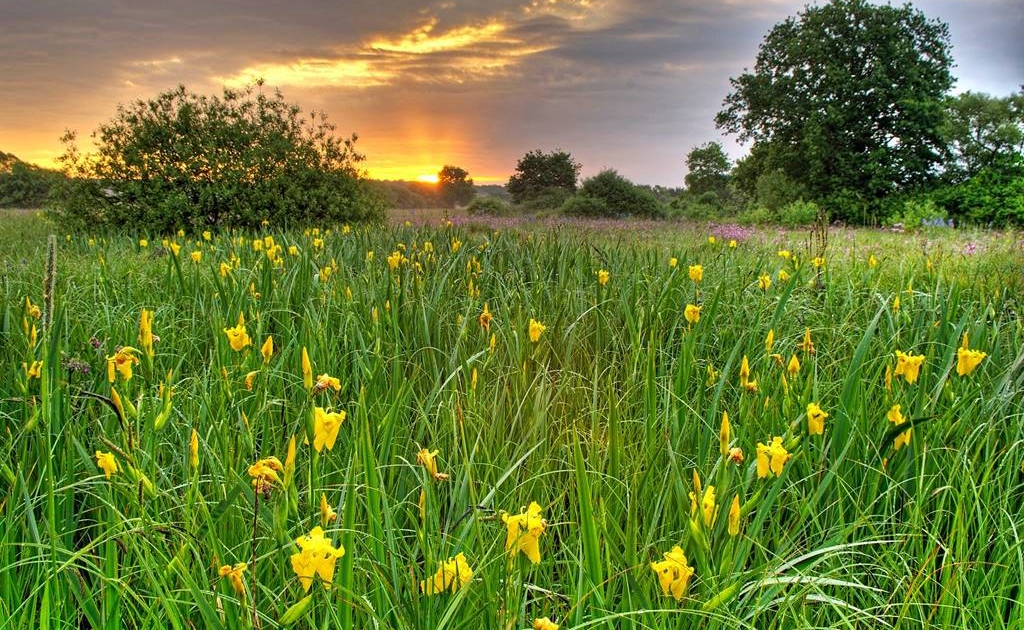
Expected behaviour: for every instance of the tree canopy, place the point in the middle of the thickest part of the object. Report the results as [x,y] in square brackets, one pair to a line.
[846,99]
[708,167]
[541,174]
[455,186]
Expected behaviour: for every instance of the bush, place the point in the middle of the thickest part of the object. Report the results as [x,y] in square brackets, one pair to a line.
[755,215]
[619,197]
[917,213]
[774,190]
[992,197]
[489,206]
[547,199]
[584,206]
[183,160]
[798,213]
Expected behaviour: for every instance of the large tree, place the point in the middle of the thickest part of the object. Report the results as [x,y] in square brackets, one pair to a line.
[455,186]
[539,175]
[849,96]
[983,132]
[708,167]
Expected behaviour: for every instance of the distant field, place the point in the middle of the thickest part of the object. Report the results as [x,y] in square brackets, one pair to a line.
[869,472]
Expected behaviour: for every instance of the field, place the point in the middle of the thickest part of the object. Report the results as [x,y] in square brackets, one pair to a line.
[564,456]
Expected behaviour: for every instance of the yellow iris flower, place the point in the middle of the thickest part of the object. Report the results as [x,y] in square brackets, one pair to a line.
[815,419]
[317,556]
[771,458]
[107,463]
[325,428]
[524,532]
[674,573]
[453,574]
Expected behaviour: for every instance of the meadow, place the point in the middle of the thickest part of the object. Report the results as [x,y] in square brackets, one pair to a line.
[467,425]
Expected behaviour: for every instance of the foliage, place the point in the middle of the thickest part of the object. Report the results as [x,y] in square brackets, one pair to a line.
[455,187]
[708,169]
[488,206]
[983,133]
[611,194]
[539,175]
[407,194]
[604,422]
[798,213]
[183,160]
[774,190]
[24,185]
[992,197]
[847,96]
[916,212]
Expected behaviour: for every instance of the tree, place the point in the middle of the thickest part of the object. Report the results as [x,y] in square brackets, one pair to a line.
[24,185]
[708,169]
[611,194]
[183,160]
[849,97]
[544,176]
[455,186]
[983,132]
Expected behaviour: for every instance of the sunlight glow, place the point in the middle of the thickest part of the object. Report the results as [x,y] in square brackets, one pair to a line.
[427,179]
[423,40]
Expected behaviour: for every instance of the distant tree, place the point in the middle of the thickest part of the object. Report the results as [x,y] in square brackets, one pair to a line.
[611,194]
[455,186]
[183,160]
[708,169]
[983,132]
[24,185]
[848,95]
[540,175]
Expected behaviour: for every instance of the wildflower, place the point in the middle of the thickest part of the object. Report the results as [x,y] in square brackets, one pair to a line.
[250,378]
[196,256]
[692,313]
[785,254]
[237,336]
[307,370]
[602,276]
[32,371]
[707,506]
[769,340]
[31,309]
[908,366]
[325,428]
[724,434]
[456,245]
[206,235]
[327,513]
[264,474]
[193,450]
[325,382]
[536,329]
[896,304]
[894,416]
[234,576]
[771,458]
[815,419]
[745,382]
[966,359]
[872,261]
[711,240]
[736,455]
[317,556]
[394,260]
[122,361]
[673,262]
[107,463]
[764,282]
[486,318]
[783,276]
[524,531]
[732,244]
[146,332]
[794,366]
[453,574]
[806,345]
[734,516]
[267,349]
[696,273]
[818,262]
[143,243]
[673,572]
[224,269]
[544,623]
[175,248]
[429,461]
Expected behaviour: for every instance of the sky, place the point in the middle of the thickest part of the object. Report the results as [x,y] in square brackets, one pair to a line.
[626,84]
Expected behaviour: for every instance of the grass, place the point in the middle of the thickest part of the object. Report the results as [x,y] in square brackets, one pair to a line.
[603,421]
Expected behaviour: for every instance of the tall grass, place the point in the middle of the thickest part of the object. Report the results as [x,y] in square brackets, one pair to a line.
[603,421]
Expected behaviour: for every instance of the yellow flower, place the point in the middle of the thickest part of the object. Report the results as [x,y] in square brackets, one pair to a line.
[237,336]
[193,450]
[196,256]
[673,262]
[307,370]
[122,361]
[325,382]
[327,513]
[908,366]
[724,434]
[536,330]
[696,273]
[897,419]
[896,304]
[146,332]
[771,458]
[456,245]
[818,262]
[32,309]
[711,240]
[806,345]
[673,573]
[267,349]
[692,313]
[764,282]
[453,574]
[745,382]
[32,371]
[966,359]
[707,506]
[785,254]
[794,366]
[544,623]
[732,244]
[317,557]
[524,532]
[264,473]
[815,419]
[394,260]
[428,459]
[107,463]
[486,318]
[769,340]
[602,276]
[783,276]
[736,455]
[325,428]
[143,242]
[734,516]
[234,576]
[249,378]
[175,248]
[206,235]
[872,261]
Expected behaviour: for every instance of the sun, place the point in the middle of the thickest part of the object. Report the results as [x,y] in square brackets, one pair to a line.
[427,179]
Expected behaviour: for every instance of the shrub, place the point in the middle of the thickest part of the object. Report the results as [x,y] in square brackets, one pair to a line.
[798,213]
[547,199]
[755,215]
[619,196]
[917,213]
[489,206]
[183,160]
[584,206]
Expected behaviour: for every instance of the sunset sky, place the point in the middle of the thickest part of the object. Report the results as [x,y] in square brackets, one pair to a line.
[630,85]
